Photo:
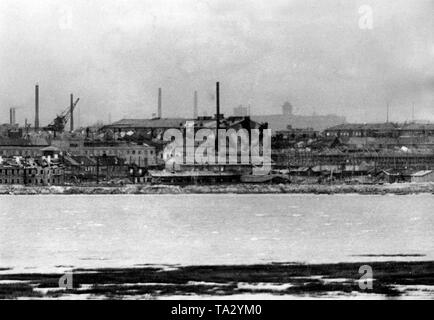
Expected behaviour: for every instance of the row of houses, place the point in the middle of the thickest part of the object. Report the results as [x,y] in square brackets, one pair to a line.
[68,169]
[80,169]
[385,130]
[29,171]
[140,154]
[365,173]
[397,159]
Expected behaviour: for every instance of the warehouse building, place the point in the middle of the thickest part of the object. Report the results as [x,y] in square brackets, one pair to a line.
[423,176]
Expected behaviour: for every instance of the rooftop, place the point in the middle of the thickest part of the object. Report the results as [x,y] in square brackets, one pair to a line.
[417,126]
[149,123]
[383,126]
[176,122]
[422,173]
[19,142]
[365,126]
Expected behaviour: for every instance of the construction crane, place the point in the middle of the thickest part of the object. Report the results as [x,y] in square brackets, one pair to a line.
[59,123]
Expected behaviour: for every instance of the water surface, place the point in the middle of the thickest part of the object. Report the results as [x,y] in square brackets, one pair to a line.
[63,231]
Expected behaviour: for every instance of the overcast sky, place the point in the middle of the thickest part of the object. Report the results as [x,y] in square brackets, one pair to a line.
[114,55]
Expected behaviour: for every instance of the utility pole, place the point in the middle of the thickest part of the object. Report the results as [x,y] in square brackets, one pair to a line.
[97,170]
[36,107]
[24,172]
[160,114]
[412,113]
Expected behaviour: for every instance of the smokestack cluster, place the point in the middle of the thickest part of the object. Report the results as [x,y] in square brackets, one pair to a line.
[159,103]
[195,113]
[12,119]
[37,106]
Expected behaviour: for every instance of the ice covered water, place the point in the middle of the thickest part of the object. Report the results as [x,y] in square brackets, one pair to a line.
[57,231]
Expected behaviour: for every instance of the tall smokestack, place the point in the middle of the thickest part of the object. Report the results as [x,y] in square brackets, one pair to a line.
[11,116]
[159,103]
[14,120]
[195,106]
[218,104]
[71,108]
[37,106]
[218,113]
[387,119]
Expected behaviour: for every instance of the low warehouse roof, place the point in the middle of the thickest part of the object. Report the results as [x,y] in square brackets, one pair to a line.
[421,173]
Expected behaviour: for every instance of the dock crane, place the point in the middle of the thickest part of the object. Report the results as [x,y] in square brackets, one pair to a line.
[59,123]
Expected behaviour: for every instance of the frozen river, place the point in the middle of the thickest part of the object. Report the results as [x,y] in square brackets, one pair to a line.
[56,231]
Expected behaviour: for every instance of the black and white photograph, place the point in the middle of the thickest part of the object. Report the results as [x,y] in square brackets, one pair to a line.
[227,150]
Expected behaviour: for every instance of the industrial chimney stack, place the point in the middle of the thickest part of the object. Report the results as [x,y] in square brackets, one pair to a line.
[218,105]
[37,106]
[217,115]
[159,103]
[195,112]
[71,108]
[12,116]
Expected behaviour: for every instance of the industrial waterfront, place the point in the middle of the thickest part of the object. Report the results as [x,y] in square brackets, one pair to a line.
[281,205]
[219,149]
[189,149]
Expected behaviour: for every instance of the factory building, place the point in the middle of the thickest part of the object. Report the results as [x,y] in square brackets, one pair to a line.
[155,128]
[10,147]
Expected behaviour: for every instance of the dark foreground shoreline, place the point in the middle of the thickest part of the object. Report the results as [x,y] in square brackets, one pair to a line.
[397,188]
[276,280]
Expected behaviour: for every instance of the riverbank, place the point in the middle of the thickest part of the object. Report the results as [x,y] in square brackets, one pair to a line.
[397,188]
[344,280]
